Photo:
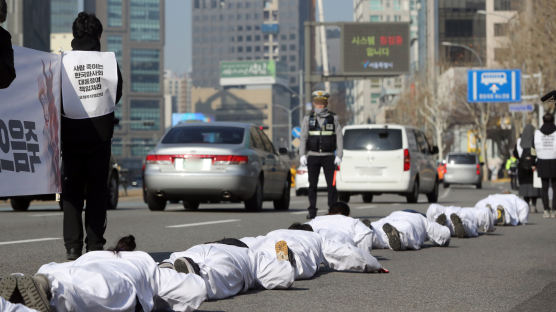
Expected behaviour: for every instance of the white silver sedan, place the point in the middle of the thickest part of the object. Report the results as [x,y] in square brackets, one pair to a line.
[302,181]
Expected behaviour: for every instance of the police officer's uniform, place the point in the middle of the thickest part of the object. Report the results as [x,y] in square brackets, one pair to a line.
[322,145]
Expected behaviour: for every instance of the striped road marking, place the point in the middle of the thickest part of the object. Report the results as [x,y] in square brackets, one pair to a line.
[201,223]
[56,214]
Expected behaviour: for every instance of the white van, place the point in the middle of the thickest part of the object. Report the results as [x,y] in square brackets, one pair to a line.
[387,159]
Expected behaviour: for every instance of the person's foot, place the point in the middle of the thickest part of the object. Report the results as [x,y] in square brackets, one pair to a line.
[500,217]
[282,250]
[8,288]
[166,265]
[441,219]
[185,265]
[393,237]
[312,213]
[73,253]
[546,214]
[552,214]
[458,226]
[35,292]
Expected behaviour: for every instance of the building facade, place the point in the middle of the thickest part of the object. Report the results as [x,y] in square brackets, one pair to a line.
[26,23]
[177,94]
[62,15]
[237,30]
[134,31]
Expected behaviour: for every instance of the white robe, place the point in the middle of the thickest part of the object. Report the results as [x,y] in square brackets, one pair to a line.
[105,281]
[341,253]
[361,234]
[229,270]
[414,230]
[306,247]
[516,210]
[473,220]
[6,306]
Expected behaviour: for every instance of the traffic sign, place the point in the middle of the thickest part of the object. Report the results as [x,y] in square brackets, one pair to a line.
[296,132]
[521,107]
[494,85]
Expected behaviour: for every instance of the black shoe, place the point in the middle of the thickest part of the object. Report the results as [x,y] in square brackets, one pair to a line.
[441,219]
[458,226]
[312,213]
[73,253]
[393,236]
[186,265]
[8,288]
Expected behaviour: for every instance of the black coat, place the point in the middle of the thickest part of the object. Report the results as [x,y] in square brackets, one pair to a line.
[524,167]
[84,132]
[7,69]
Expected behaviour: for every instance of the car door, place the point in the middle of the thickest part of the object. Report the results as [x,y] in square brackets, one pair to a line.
[427,171]
[270,161]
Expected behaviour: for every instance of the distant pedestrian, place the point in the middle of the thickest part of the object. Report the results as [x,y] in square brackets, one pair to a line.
[527,156]
[86,149]
[511,168]
[321,146]
[545,146]
[7,69]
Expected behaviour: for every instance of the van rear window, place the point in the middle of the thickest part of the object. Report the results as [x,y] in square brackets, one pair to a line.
[461,159]
[373,139]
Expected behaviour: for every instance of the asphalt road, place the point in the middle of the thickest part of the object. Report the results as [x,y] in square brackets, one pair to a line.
[512,269]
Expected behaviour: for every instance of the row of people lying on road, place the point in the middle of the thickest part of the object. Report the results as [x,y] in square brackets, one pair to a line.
[122,279]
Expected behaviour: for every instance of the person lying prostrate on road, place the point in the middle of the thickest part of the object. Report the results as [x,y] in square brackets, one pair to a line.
[403,230]
[114,280]
[229,267]
[462,222]
[338,220]
[507,209]
[306,247]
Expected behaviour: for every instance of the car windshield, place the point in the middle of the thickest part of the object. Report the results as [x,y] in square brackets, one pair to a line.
[461,159]
[373,139]
[204,135]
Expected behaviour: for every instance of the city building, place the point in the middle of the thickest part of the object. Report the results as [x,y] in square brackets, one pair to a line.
[62,15]
[373,96]
[177,95]
[26,23]
[134,31]
[499,14]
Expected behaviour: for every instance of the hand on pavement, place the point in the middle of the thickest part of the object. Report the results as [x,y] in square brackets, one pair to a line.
[303,161]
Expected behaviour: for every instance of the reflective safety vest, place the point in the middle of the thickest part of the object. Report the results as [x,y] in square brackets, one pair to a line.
[322,140]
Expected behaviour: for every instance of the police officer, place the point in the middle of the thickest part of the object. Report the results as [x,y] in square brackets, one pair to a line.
[321,146]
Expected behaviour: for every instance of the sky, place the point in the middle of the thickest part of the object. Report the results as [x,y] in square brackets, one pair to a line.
[177,55]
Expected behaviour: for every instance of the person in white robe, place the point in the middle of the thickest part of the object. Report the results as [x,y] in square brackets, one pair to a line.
[507,209]
[118,281]
[6,306]
[462,222]
[229,270]
[403,230]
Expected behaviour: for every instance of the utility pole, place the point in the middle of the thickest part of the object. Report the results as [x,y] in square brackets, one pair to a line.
[324,49]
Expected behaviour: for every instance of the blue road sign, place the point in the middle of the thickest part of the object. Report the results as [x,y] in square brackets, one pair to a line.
[494,85]
[296,132]
[521,107]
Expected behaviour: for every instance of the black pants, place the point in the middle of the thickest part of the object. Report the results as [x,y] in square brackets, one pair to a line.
[314,163]
[85,179]
[546,182]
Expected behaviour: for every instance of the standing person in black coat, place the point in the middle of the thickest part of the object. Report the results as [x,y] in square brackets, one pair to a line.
[526,154]
[545,145]
[7,69]
[86,149]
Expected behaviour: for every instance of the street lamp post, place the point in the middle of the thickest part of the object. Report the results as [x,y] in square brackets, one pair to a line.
[451,44]
[289,111]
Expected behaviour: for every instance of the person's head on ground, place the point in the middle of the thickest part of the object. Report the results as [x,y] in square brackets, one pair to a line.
[3,11]
[548,118]
[320,100]
[87,26]
[301,227]
[126,243]
[339,208]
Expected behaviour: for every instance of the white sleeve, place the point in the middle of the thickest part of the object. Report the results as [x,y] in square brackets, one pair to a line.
[6,306]
[346,257]
[182,292]
[363,236]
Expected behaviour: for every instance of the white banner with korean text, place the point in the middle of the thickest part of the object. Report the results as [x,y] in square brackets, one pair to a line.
[89,83]
[30,126]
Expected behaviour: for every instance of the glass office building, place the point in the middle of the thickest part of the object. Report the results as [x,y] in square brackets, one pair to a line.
[62,15]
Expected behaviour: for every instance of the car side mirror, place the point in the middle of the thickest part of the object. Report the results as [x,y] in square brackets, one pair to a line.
[434,150]
[282,151]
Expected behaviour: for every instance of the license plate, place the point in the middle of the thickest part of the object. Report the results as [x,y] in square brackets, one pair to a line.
[370,171]
[193,164]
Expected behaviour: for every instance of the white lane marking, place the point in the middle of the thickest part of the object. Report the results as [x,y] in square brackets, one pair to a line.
[365,207]
[304,212]
[48,214]
[446,193]
[30,240]
[201,223]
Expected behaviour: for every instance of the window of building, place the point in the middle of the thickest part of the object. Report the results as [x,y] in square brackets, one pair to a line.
[144,114]
[500,29]
[239,28]
[239,49]
[196,4]
[507,5]
[247,16]
[257,49]
[117,147]
[283,37]
[257,27]
[292,68]
[292,47]
[239,17]
[114,44]
[375,83]
[292,36]
[375,18]
[248,27]
[376,5]
[248,38]
[248,49]
[397,18]
[144,20]
[145,70]
[114,13]
[265,37]
[239,38]
[396,5]
[284,47]
[293,80]
[141,146]
[283,58]
[257,38]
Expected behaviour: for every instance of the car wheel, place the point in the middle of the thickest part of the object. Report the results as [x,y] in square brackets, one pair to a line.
[446,185]
[113,192]
[190,204]
[479,185]
[367,197]
[255,203]
[284,202]
[155,203]
[433,196]
[414,195]
[20,203]
[344,197]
